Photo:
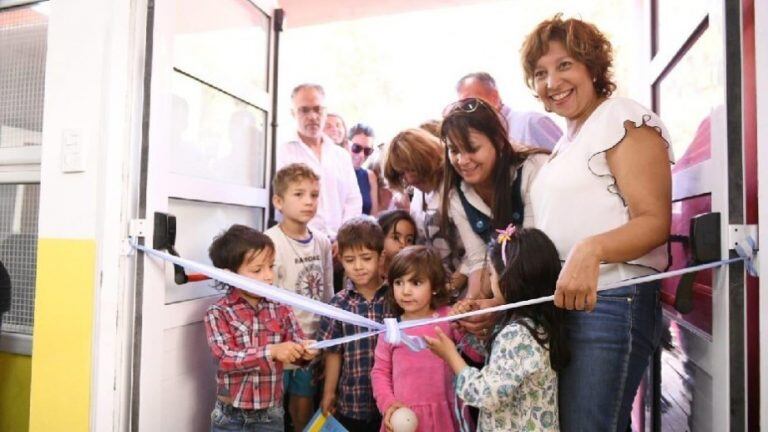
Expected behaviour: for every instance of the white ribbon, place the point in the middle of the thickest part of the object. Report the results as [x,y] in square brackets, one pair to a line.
[394,330]
[267,291]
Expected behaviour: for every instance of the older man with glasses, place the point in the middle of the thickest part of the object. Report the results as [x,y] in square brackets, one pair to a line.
[340,198]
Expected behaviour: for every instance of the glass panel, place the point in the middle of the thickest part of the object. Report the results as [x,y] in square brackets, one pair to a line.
[18,251]
[224,43]
[689,95]
[216,136]
[674,16]
[197,223]
[23,36]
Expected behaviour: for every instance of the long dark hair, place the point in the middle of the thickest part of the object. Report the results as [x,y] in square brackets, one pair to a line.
[476,114]
[389,219]
[531,271]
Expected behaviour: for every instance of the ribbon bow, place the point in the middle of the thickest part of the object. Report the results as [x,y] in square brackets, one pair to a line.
[505,235]
[395,335]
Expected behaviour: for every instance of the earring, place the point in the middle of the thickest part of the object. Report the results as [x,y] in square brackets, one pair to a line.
[434,292]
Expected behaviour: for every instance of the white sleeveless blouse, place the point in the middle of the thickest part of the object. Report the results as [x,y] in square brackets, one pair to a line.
[575,195]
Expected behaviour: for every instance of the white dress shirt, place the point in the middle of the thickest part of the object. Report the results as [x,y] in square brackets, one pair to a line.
[530,128]
[340,198]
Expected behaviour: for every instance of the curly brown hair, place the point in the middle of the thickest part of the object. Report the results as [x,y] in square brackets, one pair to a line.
[583,41]
[426,264]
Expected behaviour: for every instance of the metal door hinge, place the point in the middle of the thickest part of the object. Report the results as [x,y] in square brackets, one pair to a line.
[137,228]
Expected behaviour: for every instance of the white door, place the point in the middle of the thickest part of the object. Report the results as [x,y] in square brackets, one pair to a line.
[692,77]
[206,158]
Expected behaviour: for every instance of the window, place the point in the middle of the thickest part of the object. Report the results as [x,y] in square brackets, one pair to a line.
[23,36]
[18,251]
[219,87]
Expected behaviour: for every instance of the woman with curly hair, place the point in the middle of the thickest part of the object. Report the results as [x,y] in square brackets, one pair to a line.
[604,198]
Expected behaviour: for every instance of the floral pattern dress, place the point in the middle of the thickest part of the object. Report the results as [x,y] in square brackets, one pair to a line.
[517,389]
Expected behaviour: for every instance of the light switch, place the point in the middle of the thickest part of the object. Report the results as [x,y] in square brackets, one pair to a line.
[72,152]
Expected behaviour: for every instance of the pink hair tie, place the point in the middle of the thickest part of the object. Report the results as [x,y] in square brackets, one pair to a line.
[505,235]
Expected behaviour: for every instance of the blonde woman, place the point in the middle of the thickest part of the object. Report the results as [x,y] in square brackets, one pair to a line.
[415,158]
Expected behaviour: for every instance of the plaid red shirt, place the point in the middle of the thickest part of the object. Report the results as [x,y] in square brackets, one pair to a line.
[355,393]
[238,335]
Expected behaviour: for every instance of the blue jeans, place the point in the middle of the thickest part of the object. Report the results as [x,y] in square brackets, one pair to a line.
[610,349]
[226,418]
[298,382]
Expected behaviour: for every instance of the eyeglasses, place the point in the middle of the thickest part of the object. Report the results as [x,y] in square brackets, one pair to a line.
[468,105]
[304,110]
[357,148]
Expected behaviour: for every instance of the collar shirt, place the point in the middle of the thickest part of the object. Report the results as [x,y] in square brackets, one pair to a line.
[530,128]
[355,391]
[476,248]
[238,336]
[340,198]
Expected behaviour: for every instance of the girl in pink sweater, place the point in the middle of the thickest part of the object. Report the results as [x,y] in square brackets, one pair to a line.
[419,380]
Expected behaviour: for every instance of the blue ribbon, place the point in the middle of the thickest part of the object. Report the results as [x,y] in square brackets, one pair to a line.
[394,330]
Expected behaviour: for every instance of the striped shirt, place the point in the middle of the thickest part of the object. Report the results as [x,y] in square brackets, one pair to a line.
[238,335]
[355,393]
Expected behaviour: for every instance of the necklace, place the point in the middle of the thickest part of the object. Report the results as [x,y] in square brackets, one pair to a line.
[290,241]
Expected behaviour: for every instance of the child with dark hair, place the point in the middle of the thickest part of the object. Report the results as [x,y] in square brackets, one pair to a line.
[347,387]
[250,337]
[399,232]
[417,379]
[517,387]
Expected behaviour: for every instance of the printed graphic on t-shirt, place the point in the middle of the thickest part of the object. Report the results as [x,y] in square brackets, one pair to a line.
[309,281]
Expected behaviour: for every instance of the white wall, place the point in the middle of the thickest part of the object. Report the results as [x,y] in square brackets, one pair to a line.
[93,90]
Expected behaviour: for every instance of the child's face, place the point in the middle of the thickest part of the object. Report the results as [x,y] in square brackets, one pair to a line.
[402,234]
[413,293]
[361,265]
[299,202]
[259,265]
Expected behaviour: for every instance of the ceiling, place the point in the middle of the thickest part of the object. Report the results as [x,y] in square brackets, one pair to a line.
[300,13]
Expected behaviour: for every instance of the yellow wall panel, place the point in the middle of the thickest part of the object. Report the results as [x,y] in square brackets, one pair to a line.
[61,350]
[15,372]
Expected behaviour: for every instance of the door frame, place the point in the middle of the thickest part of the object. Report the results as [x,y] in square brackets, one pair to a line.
[152,316]
[725,354]
[761,83]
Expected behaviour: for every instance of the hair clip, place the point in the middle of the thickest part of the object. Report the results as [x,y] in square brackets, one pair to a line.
[505,235]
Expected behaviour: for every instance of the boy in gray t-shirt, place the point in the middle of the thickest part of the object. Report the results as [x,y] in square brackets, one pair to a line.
[303,265]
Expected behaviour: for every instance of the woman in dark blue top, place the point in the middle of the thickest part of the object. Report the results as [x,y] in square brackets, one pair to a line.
[360,147]
[363,181]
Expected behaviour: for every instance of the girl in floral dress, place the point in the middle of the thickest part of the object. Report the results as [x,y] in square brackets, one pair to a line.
[516,390]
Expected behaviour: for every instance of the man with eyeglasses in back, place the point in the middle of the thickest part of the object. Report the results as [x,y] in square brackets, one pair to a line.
[340,198]
[528,128]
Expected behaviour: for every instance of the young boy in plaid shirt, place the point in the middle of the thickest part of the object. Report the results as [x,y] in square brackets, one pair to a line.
[348,366]
[250,337]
